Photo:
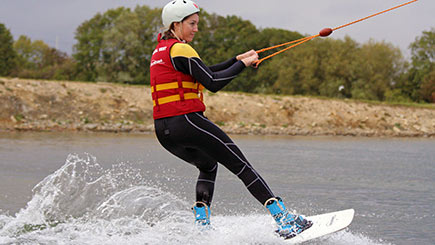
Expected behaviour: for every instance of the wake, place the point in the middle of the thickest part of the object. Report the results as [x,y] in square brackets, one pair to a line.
[82,203]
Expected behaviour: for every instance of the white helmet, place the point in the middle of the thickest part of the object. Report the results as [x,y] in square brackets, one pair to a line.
[176,11]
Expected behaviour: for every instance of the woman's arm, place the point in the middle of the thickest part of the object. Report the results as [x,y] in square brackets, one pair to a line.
[186,60]
[230,62]
[223,65]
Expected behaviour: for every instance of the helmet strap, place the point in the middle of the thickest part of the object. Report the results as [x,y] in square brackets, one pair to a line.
[173,32]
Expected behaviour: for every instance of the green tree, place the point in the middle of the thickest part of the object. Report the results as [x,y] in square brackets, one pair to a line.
[420,83]
[220,38]
[7,53]
[223,37]
[38,60]
[427,88]
[339,68]
[267,74]
[31,54]
[380,66]
[88,51]
[320,67]
[117,46]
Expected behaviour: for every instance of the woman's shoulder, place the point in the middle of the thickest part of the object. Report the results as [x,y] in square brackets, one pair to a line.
[183,49]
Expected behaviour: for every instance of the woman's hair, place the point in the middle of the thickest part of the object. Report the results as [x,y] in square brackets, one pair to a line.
[168,34]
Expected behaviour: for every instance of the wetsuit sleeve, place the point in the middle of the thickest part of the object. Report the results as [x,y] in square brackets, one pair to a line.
[187,60]
[224,65]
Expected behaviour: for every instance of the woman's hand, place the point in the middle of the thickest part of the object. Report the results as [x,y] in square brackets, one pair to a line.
[248,58]
[246,54]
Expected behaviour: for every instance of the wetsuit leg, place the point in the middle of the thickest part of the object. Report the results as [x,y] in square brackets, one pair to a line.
[206,165]
[205,185]
[197,132]
[216,143]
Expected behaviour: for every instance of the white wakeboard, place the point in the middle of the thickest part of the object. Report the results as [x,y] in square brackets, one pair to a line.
[324,224]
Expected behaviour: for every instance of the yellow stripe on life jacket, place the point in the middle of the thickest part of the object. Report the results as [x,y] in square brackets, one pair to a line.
[173,98]
[176,97]
[174,85]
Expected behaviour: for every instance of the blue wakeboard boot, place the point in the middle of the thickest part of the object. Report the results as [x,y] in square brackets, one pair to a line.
[202,214]
[289,225]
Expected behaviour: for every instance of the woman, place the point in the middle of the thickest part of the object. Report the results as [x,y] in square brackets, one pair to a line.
[178,76]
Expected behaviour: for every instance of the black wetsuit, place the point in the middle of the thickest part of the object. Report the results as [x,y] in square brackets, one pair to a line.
[197,140]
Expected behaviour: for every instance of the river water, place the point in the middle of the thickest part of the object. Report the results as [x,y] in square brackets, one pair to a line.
[74,188]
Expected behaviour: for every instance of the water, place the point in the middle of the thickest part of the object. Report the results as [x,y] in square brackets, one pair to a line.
[60,188]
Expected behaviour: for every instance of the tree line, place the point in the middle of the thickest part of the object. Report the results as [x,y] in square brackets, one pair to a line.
[116,46]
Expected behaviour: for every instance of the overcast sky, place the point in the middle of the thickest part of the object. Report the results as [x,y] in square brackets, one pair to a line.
[55,21]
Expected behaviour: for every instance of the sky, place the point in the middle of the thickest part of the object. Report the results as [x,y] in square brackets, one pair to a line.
[55,21]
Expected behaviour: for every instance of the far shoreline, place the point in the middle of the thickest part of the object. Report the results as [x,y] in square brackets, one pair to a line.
[28,105]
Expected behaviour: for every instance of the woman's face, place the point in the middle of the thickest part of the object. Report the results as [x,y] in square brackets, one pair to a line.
[187,29]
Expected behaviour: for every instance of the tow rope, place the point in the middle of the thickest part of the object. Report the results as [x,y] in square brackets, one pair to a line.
[323,33]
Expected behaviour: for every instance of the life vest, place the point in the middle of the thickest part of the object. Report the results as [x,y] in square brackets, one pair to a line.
[173,92]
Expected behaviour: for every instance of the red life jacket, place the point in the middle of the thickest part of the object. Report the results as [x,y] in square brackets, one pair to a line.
[174,93]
